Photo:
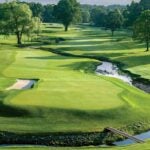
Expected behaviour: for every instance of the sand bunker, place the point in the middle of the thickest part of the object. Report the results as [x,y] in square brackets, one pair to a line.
[22,84]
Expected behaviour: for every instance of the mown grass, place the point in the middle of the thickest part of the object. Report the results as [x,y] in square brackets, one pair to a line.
[70,97]
[121,47]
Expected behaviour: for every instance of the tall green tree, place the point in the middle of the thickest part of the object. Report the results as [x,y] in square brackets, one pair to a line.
[17,19]
[114,20]
[85,16]
[134,10]
[98,16]
[131,13]
[142,28]
[47,14]
[145,4]
[67,12]
[37,9]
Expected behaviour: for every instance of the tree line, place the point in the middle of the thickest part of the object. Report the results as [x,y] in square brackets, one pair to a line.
[25,18]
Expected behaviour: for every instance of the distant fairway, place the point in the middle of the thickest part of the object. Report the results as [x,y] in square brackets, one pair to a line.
[69,96]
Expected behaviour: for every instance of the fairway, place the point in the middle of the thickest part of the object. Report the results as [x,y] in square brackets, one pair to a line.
[69,96]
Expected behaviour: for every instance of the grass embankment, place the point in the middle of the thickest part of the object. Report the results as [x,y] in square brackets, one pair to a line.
[69,97]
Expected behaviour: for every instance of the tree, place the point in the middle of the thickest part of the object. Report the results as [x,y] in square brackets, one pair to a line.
[145,4]
[35,26]
[98,16]
[67,11]
[114,20]
[131,13]
[47,14]
[37,9]
[142,28]
[85,16]
[17,19]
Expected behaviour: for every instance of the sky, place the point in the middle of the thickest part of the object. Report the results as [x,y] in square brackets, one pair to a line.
[93,2]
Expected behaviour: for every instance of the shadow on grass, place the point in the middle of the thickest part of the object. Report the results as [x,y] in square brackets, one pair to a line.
[108,55]
[50,57]
[72,138]
[87,67]
[9,44]
[56,114]
[54,27]
[66,54]
[10,111]
[48,31]
[84,42]
[51,113]
[101,46]
[133,61]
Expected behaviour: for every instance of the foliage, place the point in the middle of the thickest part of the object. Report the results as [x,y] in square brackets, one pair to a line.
[37,9]
[145,4]
[36,25]
[114,20]
[98,16]
[17,19]
[131,13]
[134,10]
[142,28]
[48,15]
[85,16]
[67,11]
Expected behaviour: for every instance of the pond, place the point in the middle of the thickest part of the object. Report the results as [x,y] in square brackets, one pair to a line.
[142,136]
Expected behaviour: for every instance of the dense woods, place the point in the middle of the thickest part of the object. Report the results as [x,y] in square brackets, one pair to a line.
[94,14]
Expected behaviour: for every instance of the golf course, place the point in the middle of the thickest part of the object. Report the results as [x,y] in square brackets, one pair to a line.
[74,75]
[69,97]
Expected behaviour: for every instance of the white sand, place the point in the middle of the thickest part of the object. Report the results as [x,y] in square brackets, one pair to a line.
[21,85]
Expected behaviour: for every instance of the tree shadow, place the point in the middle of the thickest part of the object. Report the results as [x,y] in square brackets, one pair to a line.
[108,55]
[129,59]
[85,66]
[54,27]
[101,46]
[133,61]
[58,116]
[57,57]
[49,31]
[8,44]
[11,111]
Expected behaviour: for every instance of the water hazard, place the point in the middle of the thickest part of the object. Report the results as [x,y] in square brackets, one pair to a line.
[111,70]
